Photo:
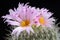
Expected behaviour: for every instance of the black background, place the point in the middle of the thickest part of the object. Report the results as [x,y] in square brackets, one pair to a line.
[5,5]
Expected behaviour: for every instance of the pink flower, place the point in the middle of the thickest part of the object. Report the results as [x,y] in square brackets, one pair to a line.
[44,19]
[22,17]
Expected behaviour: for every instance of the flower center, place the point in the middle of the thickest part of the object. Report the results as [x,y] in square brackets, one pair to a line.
[41,20]
[25,23]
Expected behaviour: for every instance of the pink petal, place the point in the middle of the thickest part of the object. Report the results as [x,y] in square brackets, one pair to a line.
[12,22]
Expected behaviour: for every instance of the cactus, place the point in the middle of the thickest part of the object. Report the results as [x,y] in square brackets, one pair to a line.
[41,33]
[27,19]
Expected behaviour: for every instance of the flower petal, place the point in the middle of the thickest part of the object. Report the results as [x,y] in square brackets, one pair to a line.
[13,22]
[16,32]
[28,29]
[7,16]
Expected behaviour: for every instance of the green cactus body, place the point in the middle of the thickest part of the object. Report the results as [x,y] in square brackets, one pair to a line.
[41,33]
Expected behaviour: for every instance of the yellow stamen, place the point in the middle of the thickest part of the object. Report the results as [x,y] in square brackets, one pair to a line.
[25,23]
[41,20]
